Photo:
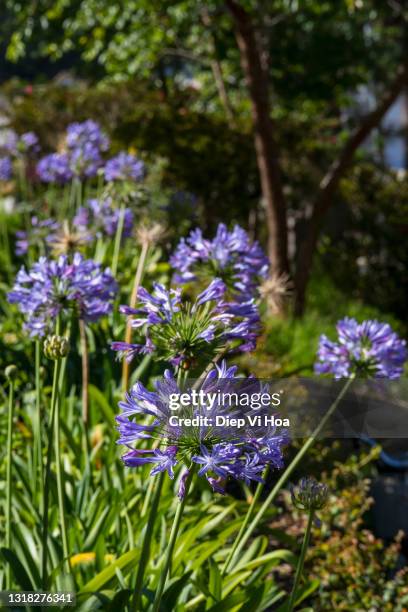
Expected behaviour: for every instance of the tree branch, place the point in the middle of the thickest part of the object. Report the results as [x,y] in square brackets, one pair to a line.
[331,180]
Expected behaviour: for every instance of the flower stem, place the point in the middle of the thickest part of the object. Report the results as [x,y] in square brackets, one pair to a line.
[145,552]
[301,562]
[54,396]
[118,240]
[173,537]
[8,476]
[60,484]
[243,536]
[37,428]
[247,518]
[85,372]
[133,298]
[85,394]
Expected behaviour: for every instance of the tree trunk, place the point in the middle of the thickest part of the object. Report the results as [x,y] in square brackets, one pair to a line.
[330,183]
[265,145]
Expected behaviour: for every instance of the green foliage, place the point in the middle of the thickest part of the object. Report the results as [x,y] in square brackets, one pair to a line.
[356,570]
[366,255]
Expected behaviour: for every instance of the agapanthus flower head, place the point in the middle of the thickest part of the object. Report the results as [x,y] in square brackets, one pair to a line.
[89,132]
[124,167]
[26,144]
[101,218]
[85,161]
[55,168]
[370,348]
[29,143]
[218,451]
[53,288]
[56,347]
[309,494]
[184,332]
[41,232]
[6,169]
[9,142]
[230,255]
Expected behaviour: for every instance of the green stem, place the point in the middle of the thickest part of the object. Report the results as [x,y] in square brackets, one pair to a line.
[173,537]
[146,504]
[118,240]
[133,299]
[248,517]
[243,537]
[301,562]
[145,552]
[54,395]
[78,194]
[37,440]
[60,485]
[8,476]
[85,395]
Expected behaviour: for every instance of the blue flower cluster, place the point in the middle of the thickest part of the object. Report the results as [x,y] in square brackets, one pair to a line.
[230,255]
[26,144]
[82,158]
[370,348]
[6,169]
[55,168]
[84,144]
[124,167]
[53,288]
[184,332]
[220,452]
[99,217]
[86,133]
[40,231]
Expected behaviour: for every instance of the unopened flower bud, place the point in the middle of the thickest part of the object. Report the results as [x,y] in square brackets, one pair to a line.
[11,372]
[56,347]
[310,494]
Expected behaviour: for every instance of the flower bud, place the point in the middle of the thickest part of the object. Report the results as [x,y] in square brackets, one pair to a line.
[310,494]
[11,372]
[56,347]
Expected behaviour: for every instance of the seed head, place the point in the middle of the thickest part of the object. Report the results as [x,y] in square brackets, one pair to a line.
[275,290]
[150,234]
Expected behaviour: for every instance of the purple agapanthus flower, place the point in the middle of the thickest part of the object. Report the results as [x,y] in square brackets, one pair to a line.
[85,161]
[10,143]
[124,167]
[57,287]
[41,231]
[6,169]
[101,218]
[230,256]
[29,143]
[370,348]
[82,134]
[185,333]
[55,168]
[219,451]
